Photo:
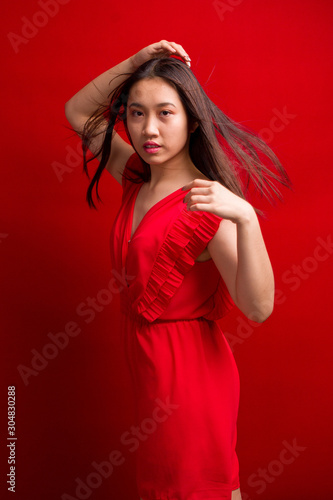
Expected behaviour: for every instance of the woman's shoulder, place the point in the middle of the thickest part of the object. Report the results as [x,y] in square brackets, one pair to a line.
[135,170]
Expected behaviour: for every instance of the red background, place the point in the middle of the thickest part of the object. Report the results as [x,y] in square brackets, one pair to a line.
[256,60]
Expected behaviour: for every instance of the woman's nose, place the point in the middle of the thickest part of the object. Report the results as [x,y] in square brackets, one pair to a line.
[150,126]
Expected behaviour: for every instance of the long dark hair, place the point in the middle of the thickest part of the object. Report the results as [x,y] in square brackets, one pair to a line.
[220,148]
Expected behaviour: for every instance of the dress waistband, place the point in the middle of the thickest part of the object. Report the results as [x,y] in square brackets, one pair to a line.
[128,312]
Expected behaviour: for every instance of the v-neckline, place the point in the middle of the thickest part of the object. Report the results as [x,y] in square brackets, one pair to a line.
[150,210]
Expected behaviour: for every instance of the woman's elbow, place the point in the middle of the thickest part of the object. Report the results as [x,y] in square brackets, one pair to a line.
[263,315]
[260,312]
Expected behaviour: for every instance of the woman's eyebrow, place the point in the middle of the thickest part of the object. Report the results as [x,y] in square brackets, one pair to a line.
[138,105]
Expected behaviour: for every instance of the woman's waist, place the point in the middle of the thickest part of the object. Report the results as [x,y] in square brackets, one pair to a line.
[132,315]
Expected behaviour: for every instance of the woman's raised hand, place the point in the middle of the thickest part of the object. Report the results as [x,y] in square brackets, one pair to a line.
[212,196]
[160,49]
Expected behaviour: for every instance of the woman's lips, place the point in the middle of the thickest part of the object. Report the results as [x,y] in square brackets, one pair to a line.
[151,148]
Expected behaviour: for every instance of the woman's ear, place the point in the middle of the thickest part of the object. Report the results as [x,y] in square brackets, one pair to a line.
[194,126]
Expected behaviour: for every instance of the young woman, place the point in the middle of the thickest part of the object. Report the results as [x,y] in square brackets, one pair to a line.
[188,246]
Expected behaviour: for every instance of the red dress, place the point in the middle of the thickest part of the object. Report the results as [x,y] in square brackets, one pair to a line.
[185,378]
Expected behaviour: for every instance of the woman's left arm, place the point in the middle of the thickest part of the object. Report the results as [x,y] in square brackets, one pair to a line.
[237,248]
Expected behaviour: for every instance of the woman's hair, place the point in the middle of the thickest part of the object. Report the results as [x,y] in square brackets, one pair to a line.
[223,150]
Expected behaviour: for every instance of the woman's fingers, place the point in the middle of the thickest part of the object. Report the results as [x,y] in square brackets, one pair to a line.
[181,52]
[175,49]
[157,49]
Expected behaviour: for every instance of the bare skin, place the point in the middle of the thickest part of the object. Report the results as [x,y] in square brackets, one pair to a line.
[236,495]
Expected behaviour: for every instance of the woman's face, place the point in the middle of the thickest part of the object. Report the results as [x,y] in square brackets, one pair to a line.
[156,114]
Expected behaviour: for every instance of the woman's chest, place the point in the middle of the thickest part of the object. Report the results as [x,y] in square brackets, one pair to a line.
[143,214]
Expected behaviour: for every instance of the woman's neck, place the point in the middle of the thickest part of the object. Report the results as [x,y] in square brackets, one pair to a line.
[174,172]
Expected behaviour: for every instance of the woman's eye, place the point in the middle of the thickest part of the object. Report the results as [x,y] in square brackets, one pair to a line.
[139,113]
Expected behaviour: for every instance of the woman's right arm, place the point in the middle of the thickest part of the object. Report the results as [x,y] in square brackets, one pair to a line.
[85,102]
